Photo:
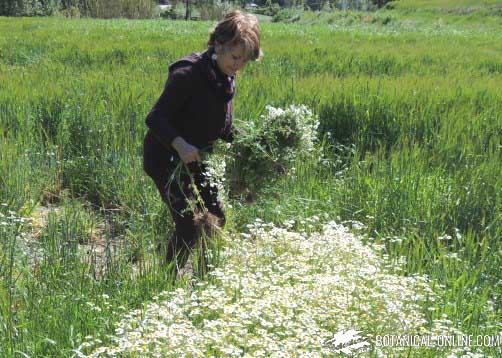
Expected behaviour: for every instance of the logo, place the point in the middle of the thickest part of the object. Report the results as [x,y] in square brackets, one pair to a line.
[348,342]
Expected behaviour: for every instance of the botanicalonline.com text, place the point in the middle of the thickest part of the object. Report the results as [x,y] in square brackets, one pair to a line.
[391,340]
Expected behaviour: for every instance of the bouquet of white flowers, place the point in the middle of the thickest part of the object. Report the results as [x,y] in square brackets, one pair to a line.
[268,147]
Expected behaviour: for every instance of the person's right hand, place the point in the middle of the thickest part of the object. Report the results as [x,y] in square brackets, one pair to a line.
[187,152]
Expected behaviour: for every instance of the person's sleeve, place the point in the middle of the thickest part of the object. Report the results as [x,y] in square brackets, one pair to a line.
[165,114]
[230,134]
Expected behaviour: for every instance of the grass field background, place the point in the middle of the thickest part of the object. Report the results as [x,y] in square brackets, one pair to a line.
[410,121]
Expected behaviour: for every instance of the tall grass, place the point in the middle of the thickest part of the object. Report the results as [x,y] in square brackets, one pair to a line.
[411,128]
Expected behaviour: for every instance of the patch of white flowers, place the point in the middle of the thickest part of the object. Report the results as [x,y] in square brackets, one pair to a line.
[296,125]
[278,293]
[215,174]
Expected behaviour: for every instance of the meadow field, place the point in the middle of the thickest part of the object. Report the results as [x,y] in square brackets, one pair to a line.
[391,225]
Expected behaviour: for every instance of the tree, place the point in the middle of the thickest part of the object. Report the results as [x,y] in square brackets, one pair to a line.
[187,10]
[11,7]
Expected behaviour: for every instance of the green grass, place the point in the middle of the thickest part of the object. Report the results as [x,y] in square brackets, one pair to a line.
[444,4]
[468,14]
[403,16]
[413,152]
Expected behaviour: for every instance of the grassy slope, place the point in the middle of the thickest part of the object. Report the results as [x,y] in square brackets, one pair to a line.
[470,14]
[446,5]
[412,16]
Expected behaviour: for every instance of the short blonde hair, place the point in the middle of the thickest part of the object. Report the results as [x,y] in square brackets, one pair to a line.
[238,28]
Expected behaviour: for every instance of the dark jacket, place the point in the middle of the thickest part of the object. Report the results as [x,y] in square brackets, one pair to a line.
[194,106]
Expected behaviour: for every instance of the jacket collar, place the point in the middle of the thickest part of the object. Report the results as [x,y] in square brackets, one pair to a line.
[220,81]
[224,85]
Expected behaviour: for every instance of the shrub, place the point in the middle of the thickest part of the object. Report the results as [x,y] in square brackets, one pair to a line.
[383,19]
[175,12]
[132,9]
[29,8]
[214,11]
[270,10]
[287,15]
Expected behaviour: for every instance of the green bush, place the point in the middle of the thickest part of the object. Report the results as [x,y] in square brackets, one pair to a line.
[29,7]
[174,12]
[131,9]
[214,11]
[287,15]
[270,10]
[383,18]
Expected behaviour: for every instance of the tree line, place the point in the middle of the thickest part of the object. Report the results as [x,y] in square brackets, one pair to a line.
[86,8]
[148,8]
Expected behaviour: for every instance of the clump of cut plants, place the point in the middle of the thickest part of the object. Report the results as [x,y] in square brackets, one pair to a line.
[269,147]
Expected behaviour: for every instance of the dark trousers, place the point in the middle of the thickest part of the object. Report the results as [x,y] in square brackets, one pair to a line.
[194,206]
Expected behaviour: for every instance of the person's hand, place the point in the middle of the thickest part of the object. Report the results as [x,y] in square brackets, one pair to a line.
[187,152]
